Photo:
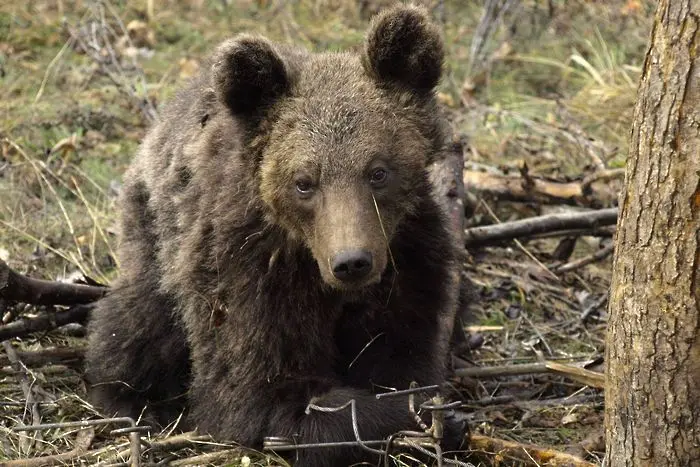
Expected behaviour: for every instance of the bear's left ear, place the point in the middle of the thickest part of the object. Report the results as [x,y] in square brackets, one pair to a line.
[248,74]
[403,47]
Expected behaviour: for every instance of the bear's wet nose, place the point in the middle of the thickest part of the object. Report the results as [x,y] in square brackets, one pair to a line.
[351,265]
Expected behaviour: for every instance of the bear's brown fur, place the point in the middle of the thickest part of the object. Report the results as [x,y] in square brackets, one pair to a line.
[278,232]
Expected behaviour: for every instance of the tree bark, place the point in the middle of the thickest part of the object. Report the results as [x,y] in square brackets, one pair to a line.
[653,342]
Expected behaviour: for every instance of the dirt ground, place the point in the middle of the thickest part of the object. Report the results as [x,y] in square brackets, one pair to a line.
[536,89]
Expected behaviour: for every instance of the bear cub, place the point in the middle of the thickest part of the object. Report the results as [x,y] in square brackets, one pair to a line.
[281,249]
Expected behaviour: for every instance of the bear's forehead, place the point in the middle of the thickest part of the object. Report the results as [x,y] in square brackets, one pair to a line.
[335,98]
[335,116]
[332,70]
[336,82]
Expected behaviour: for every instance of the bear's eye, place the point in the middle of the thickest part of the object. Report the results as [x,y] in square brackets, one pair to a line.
[305,188]
[378,177]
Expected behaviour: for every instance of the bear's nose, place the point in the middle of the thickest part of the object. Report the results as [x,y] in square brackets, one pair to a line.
[351,265]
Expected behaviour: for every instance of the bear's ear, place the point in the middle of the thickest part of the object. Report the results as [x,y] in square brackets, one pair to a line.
[403,47]
[247,74]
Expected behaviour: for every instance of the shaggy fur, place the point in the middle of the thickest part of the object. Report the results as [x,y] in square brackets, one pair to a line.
[258,176]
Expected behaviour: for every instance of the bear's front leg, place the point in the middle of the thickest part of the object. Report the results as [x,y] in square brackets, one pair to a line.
[137,362]
[328,418]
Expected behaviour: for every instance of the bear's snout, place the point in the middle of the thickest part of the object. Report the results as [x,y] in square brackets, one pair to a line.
[351,265]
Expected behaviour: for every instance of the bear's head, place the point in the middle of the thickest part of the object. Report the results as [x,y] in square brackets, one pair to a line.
[344,138]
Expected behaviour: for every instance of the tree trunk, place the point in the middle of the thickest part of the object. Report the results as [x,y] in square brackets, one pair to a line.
[653,342]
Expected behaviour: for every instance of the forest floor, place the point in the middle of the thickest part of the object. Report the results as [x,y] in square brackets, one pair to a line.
[544,91]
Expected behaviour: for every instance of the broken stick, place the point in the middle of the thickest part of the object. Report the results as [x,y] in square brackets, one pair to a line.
[45,322]
[498,233]
[581,375]
[48,356]
[20,288]
[526,188]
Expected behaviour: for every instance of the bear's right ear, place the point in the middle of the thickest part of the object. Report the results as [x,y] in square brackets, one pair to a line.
[404,48]
[247,74]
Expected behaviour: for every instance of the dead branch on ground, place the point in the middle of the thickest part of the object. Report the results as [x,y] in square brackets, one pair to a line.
[502,402]
[209,458]
[15,287]
[601,232]
[586,260]
[498,233]
[20,288]
[581,375]
[51,356]
[527,453]
[46,321]
[179,441]
[526,188]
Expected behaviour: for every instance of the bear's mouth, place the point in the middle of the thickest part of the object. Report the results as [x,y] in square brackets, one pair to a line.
[355,285]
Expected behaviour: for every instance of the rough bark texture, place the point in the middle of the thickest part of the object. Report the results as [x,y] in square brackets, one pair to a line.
[653,347]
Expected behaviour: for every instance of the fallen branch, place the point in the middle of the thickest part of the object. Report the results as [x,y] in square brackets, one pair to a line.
[189,439]
[592,258]
[530,454]
[516,188]
[602,176]
[45,322]
[179,441]
[526,188]
[593,307]
[20,288]
[513,401]
[47,370]
[601,232]
[498,233]
[209,458]
[502,370]
[580,399]
[53,356]
[581,375]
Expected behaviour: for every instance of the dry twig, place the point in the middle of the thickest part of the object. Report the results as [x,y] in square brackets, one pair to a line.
[494,10]
[96,38]
[83,440]
[592,258]
[26,386]
[208,458]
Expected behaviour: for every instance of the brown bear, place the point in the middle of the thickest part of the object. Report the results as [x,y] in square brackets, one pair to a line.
[280,247]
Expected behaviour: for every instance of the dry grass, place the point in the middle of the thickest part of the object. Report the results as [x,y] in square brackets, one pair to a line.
[544,90]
